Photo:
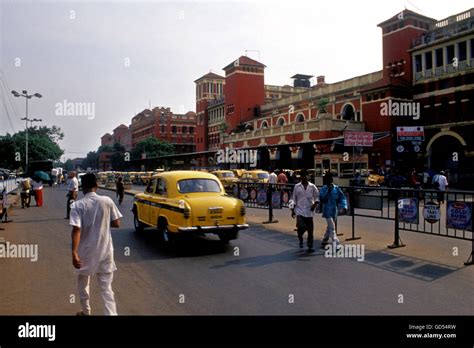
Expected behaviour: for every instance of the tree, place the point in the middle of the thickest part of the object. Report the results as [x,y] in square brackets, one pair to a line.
[117,159]
[152,147]
[69,165]
[322,104]
[42,145]
[91,160]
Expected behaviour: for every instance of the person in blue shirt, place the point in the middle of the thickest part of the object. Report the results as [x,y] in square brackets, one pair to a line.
[333,199]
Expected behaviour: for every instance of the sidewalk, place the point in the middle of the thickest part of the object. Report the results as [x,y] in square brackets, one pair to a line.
[376,235]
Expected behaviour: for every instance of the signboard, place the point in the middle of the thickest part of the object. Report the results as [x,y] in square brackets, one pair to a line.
[408,210]
[286,197]
[253,194]
[244,194]
[410,134]
[431,212]
[358,138]
[262,197]
[276,199]
[459,215]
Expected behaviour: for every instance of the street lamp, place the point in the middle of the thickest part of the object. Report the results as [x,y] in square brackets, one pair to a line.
[27,96]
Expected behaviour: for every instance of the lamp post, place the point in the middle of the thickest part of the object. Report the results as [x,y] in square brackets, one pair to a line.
[27,96]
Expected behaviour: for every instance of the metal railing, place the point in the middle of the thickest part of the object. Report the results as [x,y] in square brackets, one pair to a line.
[427,211]
[9,185]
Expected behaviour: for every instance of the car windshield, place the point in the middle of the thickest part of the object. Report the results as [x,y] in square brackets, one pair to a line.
[262,175]
[198,185]
[228,175]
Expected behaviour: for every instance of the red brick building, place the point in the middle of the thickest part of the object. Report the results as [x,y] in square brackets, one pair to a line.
[163,124]
[209,88]
[160,123]
[427,65]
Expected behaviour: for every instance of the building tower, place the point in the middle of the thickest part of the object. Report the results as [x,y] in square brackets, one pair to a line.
[244,91]
[208,87]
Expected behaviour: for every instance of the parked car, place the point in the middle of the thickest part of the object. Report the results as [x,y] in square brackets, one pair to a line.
[180,203]
[375,179]
[227,177]
[259,176]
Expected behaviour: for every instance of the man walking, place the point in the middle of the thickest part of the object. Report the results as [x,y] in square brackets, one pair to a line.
[303,202]
[332,198]
[120,189]
[73,189]
[281,178]
[272,178]
[92,248]
[25,187]
[440,183]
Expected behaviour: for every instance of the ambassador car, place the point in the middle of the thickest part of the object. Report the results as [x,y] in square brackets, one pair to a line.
[180,203]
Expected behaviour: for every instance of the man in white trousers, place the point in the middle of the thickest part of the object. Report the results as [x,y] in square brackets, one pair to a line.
[92,248]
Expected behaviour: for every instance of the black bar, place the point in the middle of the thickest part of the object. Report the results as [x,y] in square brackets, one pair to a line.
[135,331]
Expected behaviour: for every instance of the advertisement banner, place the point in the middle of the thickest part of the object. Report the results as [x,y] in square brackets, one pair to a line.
[431,212]
[262,197]
[276,200]
[365,139]
[408,210]
[459,215]
[410,134]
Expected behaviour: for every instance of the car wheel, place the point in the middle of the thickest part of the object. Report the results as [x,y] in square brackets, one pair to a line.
[139,226]
[165,236]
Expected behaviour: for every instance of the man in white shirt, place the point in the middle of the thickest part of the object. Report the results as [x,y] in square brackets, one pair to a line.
[92,247]
[73,189]
[440,182]
[272,178]
[303,203]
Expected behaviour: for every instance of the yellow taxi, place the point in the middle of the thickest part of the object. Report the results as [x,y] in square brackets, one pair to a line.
[227,177]
[374,178]
[188,203]
[259,176]
[144,177]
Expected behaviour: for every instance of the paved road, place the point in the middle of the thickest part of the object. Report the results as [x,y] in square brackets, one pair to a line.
[262,279]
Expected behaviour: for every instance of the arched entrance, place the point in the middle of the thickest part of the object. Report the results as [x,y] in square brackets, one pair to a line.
[446,152]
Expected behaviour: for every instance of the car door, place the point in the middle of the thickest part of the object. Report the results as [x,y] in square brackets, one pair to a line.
[159,198]
[148,200]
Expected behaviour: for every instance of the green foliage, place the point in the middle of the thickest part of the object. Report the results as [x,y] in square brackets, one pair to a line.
[91,160]
[322,105]
[153,148]
[42,145]
[69,165]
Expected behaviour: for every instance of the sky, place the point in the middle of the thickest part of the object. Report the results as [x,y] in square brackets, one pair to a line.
[99,63]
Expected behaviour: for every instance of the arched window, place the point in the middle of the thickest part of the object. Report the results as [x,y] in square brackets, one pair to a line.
[173,129]
[299,118]
[264,125]
[348,113]
[191,130]
[163,129]
[281,121]
[184,129]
